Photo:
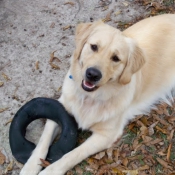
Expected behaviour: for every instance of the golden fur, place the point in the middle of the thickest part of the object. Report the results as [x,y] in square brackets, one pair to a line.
[143,75]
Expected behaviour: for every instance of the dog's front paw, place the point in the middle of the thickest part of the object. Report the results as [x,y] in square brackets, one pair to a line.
[32,167]
[52,170]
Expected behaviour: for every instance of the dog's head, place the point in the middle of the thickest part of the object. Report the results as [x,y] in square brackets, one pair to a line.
[104,55]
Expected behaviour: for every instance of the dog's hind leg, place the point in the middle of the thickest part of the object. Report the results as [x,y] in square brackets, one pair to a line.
[32,166]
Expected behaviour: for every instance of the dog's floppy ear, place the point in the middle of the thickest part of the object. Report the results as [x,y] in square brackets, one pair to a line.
[83,31]
[136,60]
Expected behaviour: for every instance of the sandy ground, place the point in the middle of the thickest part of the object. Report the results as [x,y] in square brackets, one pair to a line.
[29,32]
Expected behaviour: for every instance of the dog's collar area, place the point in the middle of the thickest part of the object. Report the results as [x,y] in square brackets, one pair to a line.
[71,77]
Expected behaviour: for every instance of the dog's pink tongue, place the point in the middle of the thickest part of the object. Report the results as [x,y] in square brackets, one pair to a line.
[88,84]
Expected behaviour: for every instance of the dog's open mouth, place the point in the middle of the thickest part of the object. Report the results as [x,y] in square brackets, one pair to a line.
[88,86]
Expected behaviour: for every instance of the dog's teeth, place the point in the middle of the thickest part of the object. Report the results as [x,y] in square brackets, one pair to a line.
[88,85]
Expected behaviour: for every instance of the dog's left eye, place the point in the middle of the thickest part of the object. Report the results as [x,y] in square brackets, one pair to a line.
[115,58]
[94,47]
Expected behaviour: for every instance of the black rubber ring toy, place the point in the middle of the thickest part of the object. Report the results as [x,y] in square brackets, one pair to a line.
[42,108]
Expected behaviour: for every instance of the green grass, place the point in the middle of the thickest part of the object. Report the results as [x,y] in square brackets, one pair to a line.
[159,169]
[83,164]
[164,138]
[129,137]
[151,149]
[142,163]
[168,2]
[84,173]
[87,173]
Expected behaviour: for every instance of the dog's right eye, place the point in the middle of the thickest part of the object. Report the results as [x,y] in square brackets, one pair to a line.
[94,47]
[115,58]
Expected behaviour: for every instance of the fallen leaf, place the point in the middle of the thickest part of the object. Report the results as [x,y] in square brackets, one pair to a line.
[144,130]
[14,96]
[9,167]
[144,167]
[140,123]
[52,56]
[52,25]
[3,109]
[44,163]
[164,105]
[125,4]
[151,128]
[131,172]
[54,66]
[109,152]
[2,158]
[170,137]
[125,162]
[6,77]
[93,164]
[18,164]
[136,148]
[108,17]
[108,168]
[116,155]
[37,65]
[57,59]
[171,119]
[104,169]
[169,152]
[136,157]
[131,126]
[100,155]
[9,121]
[90,160]
[108,161]
[160,120]
[157,140]
[78,170]
[144,120]
[105,8]
[161,130]
[137,118]
[70,172]
[117,13]
[165,112]
[59,89]
[117,171]
[163,163]
[66,27]
[158,6]
[1,83]
[161,153]
[70,3]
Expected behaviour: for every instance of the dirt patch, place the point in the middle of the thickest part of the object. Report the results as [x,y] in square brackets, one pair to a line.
[30,31]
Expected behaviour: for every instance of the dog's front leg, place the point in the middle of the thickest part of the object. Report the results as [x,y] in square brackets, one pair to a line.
[100,140]
[32,166]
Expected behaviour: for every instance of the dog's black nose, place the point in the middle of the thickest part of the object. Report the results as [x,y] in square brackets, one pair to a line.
[93,74]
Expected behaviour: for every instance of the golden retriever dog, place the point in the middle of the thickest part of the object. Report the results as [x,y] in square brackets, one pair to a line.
[115,76]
